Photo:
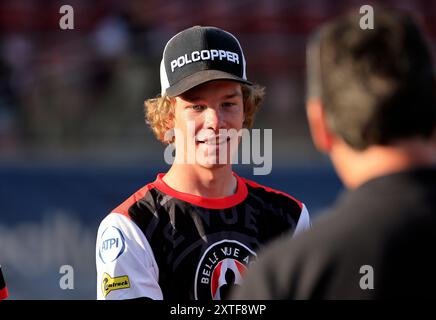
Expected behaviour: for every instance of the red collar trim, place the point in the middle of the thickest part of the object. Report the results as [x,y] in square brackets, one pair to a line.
[209,203]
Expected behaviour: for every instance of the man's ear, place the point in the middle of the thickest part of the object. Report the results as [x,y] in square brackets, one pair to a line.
[321,134]
[169,122]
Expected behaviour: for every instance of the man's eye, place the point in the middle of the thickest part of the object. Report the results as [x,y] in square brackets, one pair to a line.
[228,104]
[198,107]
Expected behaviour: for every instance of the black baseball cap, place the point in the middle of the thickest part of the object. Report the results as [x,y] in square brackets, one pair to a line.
[200,54]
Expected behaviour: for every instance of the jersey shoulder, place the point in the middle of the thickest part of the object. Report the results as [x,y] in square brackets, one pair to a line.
[283,203]
[272,194]
[122,218]
[144,208]
[124,207]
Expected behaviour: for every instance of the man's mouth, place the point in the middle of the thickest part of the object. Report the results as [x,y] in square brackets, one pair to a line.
[213,141]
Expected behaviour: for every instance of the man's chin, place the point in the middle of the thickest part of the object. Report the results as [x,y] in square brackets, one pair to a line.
[211,163]
[213,158]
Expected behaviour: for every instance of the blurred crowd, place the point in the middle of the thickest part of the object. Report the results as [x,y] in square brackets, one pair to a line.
[82,90]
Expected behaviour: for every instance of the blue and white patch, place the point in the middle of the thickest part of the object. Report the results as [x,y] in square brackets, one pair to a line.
[112,244]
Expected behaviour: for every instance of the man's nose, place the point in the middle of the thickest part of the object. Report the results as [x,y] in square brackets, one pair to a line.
[213,119]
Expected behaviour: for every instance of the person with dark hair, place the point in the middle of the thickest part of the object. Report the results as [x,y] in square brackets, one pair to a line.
[371,108]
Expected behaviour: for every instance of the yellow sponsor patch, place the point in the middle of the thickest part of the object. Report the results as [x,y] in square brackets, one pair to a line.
[110,284]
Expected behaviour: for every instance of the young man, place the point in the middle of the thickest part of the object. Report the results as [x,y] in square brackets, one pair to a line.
[193,232]
[372,108]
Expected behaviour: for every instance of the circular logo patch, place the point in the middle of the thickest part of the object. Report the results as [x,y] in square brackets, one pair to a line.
[221,267]
[111,244]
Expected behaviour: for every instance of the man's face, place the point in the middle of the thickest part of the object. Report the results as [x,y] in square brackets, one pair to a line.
[203,117]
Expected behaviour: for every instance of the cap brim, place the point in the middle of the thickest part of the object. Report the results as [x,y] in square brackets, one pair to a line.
[201,77]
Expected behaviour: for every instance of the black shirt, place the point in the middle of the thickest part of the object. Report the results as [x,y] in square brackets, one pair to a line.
[377,242]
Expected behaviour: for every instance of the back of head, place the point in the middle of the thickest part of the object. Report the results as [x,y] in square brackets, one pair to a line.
[376,85]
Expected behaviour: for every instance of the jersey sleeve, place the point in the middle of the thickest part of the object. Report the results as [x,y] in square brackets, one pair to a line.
[126,267]
[304,221]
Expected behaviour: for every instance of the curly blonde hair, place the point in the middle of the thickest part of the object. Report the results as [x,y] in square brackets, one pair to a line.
[159,111]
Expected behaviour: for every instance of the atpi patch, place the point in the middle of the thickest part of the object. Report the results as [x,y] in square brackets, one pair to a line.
[112,244]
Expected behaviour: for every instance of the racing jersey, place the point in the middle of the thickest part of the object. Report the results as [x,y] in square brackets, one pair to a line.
[165,244]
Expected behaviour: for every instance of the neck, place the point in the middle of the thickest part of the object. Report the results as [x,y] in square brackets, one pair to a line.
[210,183]
[357,167]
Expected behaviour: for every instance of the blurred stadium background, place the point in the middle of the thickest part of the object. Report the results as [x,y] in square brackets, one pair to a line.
[73,143]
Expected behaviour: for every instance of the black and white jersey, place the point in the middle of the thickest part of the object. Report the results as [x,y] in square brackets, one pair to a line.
[165,244]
